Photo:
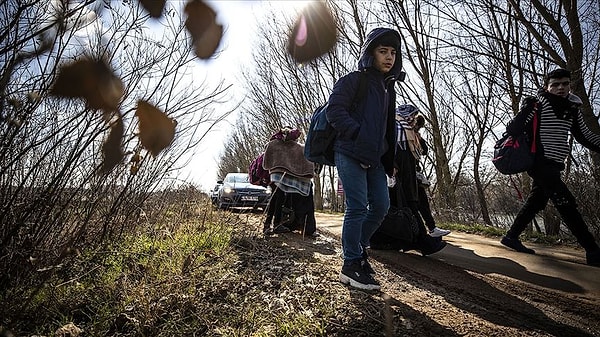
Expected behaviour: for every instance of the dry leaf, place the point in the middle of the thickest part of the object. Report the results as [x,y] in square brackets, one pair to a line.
[92,80]
[200,23]
[314,33]
[205,45]
[157,130]
[153,7]
[112,148]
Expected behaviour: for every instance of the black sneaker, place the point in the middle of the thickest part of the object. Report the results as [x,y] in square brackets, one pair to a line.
[354,275]
[366,266]
[516,245]
[365,263]
[432,245]
[593,258]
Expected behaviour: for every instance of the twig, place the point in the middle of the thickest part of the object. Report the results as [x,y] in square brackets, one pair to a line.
[77,278]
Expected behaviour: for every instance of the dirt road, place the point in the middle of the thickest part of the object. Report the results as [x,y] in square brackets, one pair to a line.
[476,287]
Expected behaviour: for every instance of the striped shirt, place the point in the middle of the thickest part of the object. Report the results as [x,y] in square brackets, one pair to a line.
[554,131]
[402,124]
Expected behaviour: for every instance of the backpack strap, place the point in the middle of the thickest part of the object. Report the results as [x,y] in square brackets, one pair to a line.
[536,126]
[399,192]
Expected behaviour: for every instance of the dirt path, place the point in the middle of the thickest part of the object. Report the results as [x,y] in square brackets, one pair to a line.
[475,287]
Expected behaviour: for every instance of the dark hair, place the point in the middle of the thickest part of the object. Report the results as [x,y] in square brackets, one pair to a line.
[387,40]
[556,73]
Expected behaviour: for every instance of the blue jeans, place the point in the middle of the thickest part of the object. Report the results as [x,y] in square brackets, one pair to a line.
[367,203]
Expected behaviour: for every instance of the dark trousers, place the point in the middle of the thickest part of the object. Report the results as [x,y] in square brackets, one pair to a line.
[548,185]
[274,207]
[425,209]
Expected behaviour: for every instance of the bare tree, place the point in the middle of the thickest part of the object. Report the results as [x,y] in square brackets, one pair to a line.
[423,50]
[52,194]
[283,93]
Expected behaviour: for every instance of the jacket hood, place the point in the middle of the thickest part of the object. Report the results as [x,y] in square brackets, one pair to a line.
[366,59]
[570,97]
[406,110]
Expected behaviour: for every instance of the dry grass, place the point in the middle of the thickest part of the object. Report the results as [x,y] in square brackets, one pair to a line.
[199,273]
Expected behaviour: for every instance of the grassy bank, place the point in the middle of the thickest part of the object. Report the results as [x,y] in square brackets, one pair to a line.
[210,273]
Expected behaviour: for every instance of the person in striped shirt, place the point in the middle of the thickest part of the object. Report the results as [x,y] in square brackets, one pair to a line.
[559,114]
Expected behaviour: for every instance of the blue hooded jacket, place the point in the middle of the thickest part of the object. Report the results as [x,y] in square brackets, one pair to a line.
[367,132]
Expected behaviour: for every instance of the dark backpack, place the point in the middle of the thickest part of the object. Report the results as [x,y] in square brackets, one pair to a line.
[321,135]
[517,154]
[257,175]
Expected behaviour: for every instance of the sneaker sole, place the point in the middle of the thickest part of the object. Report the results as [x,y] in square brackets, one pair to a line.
[349,281]
[437,235]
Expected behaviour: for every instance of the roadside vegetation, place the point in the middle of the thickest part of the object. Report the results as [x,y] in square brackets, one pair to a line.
[193,270]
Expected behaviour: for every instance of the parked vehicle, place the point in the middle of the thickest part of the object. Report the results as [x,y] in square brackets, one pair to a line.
[237,191]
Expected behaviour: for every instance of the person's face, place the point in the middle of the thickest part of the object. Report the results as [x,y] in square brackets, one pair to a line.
[384,58]
[559,86]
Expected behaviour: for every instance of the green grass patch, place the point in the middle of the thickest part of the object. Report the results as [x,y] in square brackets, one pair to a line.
[130,282]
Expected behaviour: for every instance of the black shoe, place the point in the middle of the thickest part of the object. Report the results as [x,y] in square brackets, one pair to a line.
[593,258]
[365,263]
[516,245]
[367,267]
[281,229]
[432,246]
[353,274]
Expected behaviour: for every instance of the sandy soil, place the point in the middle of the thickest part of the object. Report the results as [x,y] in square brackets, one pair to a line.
[486,296]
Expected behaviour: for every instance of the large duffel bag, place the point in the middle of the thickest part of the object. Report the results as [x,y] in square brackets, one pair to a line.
[398,229]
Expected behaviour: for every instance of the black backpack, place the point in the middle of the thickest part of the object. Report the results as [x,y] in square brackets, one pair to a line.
[517,154]
[321,135]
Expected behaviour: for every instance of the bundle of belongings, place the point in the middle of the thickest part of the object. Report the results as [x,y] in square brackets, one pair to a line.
[291,203]
[402,230]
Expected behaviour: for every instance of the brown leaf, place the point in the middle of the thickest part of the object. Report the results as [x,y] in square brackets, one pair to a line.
[157,130]
[314,33]
[153,7]
[92,80]
[200,23]
[112,148]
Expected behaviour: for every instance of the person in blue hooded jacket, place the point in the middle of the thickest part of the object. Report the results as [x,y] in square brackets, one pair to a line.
[364,148]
